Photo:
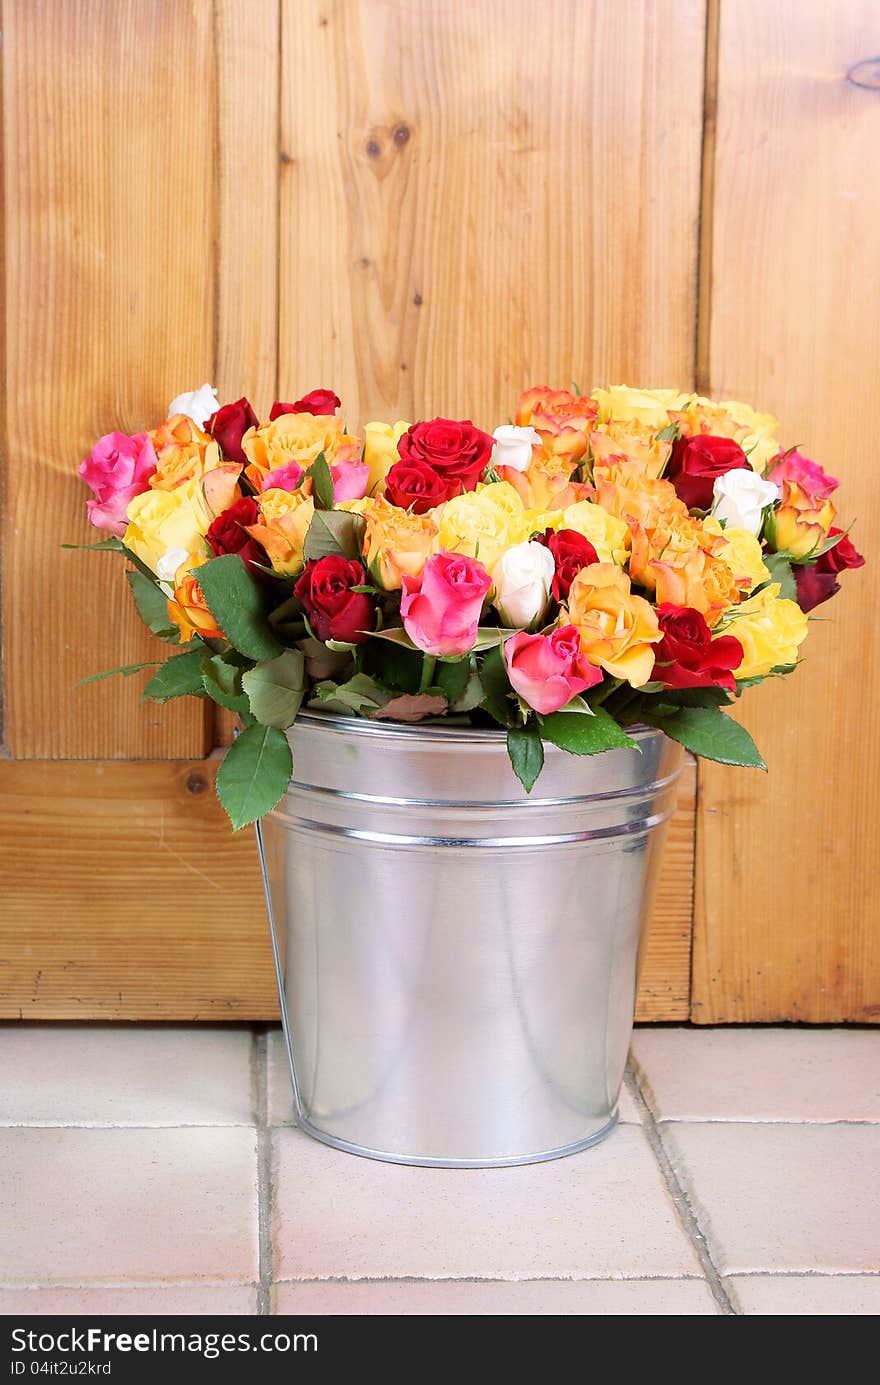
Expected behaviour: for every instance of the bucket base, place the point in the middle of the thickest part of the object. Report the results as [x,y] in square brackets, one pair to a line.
[423,1161]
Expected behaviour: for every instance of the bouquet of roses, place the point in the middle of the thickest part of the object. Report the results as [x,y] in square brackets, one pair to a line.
[619,558]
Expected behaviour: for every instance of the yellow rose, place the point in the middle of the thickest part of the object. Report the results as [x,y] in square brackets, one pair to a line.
[801,522]
[643,406]
[380,450]
[483,523]
[770,628]
[616,628]
[160,519]
[741,551]
[397,543]
[759,443]
[608,535]
[285,517]
[296,438]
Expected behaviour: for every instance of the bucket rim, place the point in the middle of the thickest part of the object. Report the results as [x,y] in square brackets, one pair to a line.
[434,730]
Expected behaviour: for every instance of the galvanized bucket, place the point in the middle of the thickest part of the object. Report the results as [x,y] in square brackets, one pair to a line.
[457,960]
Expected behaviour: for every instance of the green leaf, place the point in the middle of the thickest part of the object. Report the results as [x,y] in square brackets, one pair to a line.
[696,697]
[780,571]
[360,694]
[222,682]
[126,670]
[526,755]
[152,606]
[471,696]
[670,433]
[179,676]
[582,735]
[254,774]
[393,665]
[334,531]
[115,545]
[496,686]
[236,603]
[322,483]
[708,732]
[452,679]
[276,688]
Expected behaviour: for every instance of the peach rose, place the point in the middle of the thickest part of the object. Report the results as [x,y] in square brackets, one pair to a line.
[297,438]
[629,440]
[625,491]
[183,452]
[546,483]
[801,522]
[285,517]
[696,578]
[397,543]
[617,630]
[563,420]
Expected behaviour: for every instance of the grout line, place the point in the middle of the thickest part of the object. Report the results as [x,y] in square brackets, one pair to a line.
[677,1192]
[259,1088]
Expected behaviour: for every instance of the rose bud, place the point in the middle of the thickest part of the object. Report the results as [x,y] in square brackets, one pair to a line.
[547,671]
[228,534]
[334,611]
[571,552]
[697,462]
[522,578]
[441,607]
[319,403]
[228,426]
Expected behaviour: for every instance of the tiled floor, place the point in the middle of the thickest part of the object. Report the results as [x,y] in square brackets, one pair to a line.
[156,1169]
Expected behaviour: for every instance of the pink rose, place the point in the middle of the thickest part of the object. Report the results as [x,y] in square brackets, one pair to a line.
[549,670]
[441,608]
[350,481]
[792,466]
[117,469]
[283,478]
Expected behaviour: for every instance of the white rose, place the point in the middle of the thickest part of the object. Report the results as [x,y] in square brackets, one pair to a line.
[198,405]
[522,578]
[166,568]
[513,446]
[740,498]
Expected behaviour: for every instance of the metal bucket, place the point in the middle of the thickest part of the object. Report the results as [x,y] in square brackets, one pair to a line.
[457,960]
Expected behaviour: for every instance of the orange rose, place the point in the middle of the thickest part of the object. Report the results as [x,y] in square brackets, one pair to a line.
[801,522]
[183,451]
[562,419]
[187,609]
[545,484]
[624,490]
[697,578]
[616,628]
[285,517]
[397,543]
[629,440]
[296,438]
[671,535]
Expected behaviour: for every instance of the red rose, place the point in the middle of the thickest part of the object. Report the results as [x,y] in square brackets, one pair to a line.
[818,581]
[335,612]
[317,402]
[415,486]
[227,534]
[696,463]
[457,451]
[228,426]
[571,551]
[691,657]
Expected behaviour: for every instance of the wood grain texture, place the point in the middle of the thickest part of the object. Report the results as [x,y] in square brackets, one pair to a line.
[248,64]
[127,896]
[482,199]
[787,907]
[109,217]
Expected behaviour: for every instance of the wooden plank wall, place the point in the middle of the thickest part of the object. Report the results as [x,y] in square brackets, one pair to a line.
[788,911]
[428,206]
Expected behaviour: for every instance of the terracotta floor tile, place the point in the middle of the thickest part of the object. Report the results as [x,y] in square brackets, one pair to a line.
[281,1096]
[810,1296]
[603,1213]
[104,1205]
[172,1300]
[494,1298]
[125,1074]
[760,1074]
[783,1197]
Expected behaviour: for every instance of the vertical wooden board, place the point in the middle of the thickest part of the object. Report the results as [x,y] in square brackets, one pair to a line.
[787,907]
[665,958]
[486,196]
[109,312]
[248,59]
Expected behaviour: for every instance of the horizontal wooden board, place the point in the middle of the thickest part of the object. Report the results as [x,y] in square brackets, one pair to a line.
[126,897]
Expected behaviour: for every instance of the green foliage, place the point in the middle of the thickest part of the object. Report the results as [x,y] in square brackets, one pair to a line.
[126,670]
[452,679]
[221,679]
[179,676]
[152,607]
[322,483]
[334,531]
[254,774]
[526,754]
[781,572]
[275,688]
[707,731]
[585,735]
[236,603]
[360,695]
[496,687]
